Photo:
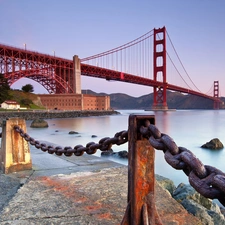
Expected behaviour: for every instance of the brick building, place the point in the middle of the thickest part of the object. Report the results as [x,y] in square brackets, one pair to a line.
[75,102]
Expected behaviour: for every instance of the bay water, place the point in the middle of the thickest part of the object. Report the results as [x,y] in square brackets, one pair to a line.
[188,128]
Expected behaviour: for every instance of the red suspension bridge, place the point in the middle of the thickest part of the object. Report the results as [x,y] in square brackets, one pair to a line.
[143,61]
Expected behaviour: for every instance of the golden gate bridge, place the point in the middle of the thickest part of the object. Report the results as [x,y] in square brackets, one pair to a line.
[143,61]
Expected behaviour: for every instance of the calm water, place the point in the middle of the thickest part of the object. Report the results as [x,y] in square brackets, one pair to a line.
[188,128]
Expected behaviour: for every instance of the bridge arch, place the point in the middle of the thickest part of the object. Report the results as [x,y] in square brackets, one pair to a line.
[51,82]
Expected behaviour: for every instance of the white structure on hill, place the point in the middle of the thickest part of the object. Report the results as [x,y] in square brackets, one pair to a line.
[10,104]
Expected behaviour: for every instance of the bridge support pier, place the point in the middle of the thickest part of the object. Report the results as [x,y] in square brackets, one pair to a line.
[77,75]
[141,208]
[159,102]
[15,151]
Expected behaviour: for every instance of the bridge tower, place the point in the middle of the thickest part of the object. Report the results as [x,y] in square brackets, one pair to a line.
[216,104]
[77,75]
[159,57]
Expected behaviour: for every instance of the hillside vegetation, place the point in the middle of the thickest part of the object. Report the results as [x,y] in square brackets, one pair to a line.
[26,99]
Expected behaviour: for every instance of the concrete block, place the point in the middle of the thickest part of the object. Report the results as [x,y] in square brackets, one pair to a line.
[15,151]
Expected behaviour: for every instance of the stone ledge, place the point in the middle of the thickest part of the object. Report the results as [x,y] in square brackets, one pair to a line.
[98,197]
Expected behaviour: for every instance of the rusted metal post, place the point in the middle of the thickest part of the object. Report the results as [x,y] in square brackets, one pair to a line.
[15,151]
[141,209]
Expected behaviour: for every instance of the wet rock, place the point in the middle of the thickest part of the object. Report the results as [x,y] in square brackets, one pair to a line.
[93,136]
[213,144]
[73,132]
[120,154]
[39,123]
[123,154]
[107,153]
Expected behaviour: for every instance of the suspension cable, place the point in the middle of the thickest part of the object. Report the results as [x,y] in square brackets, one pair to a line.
[131,43]
[181,62]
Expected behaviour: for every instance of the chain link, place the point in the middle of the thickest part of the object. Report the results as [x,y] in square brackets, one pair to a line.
[207,180]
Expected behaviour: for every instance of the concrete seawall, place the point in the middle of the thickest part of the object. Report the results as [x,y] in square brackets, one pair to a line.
[31,115]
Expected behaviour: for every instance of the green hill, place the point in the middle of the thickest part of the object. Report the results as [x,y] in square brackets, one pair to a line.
[26,99]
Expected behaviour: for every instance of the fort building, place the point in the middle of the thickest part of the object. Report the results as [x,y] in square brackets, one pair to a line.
[75,102]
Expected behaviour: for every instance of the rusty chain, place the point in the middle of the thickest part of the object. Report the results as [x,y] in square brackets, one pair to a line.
[207,180]
[104,144]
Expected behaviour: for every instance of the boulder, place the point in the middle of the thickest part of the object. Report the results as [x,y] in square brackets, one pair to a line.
[107,153]
[186,191]
[198,211]
[39,123]
[123,154]
[213,144]
[120,154]
[203,208]
[165,183]
[73,132]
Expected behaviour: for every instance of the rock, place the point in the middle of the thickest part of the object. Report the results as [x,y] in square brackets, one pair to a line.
[73,132]
[107,153]
[8,188]
[170,211]
[186,191]
[218,218]
[123,154]
[203,208]
[198,211]
[98,197]
[39,123]
[93,136]
[120,154]
[213,144]
[222,210]
[166,183]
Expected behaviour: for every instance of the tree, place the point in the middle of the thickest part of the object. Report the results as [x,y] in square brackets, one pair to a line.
[4,88]
[28,88]
[26,102]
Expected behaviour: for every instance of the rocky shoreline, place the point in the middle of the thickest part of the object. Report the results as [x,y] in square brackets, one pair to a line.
[31,115]
[206,210]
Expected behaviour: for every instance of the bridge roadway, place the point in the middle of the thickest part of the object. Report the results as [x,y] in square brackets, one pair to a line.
[107,74]
[75,190]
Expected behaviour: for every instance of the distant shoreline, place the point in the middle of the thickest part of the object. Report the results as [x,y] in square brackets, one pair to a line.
[46,114]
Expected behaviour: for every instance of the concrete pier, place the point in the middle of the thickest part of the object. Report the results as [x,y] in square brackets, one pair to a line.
[15,151]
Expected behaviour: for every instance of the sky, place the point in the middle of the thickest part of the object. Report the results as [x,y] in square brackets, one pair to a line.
[85,28]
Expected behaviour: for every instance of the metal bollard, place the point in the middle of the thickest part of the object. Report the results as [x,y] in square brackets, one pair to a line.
[141,209]
[15,151]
